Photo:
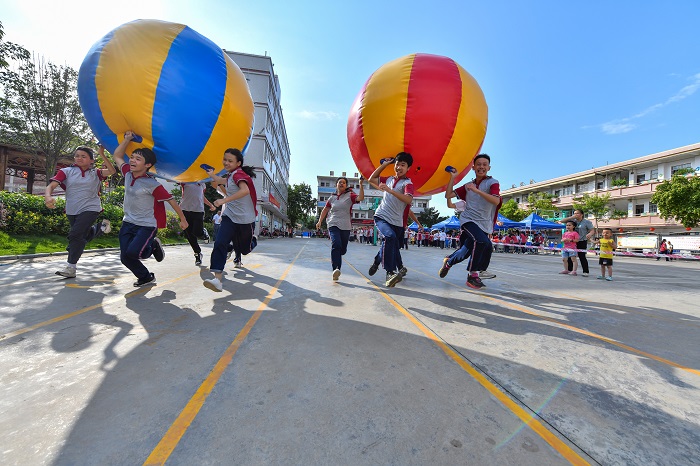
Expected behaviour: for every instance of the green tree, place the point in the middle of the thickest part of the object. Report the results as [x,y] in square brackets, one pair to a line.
[300,203]
[10,51]
[39,110]
[430,216]
[539,203]
[598,206]
[679,198]
[511,210]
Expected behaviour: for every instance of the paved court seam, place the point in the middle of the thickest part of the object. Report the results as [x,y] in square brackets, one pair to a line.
[178,428]
[520,409]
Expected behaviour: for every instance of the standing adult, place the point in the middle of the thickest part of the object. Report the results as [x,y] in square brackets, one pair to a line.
[585,230]
[338,209]
[82,182]
[192,205]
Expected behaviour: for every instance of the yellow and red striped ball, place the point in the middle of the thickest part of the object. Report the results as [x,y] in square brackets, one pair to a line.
[173,87]
[423,104]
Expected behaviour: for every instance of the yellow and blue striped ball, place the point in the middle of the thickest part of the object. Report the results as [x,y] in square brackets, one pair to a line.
[173,87]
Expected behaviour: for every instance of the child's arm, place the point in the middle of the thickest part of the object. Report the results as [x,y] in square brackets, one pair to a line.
[242,192]
[450,204]
[48,199]
[180,213]
[120,151]
[361,196]
[109,170]
[375,173]
[324,212]
[449,192]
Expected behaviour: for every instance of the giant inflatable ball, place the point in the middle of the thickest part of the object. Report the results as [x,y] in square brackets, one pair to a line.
[423,104]
[172,86]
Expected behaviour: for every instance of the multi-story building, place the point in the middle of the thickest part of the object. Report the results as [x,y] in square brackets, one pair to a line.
[268,150]
[363,212]
[630,184]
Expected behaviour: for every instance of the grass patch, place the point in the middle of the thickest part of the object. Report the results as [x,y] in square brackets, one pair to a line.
[12,245]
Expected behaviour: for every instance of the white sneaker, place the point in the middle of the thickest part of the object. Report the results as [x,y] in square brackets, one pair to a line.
[237,264]
[584,274]
[67,272]
[486,274]
[106,226]
[214,284]
[336,274]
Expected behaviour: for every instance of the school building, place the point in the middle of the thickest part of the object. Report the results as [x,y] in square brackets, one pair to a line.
[268,150]
[363,212]
[630,183]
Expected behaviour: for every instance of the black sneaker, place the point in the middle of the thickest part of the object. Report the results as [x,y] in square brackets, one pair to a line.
[198,259]
[373,269]
[206,236]
[150,279]
[158,252]
[403,271]
[475,282]
[445,268]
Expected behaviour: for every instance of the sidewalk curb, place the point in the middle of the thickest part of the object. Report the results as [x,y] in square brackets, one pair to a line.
[65,253]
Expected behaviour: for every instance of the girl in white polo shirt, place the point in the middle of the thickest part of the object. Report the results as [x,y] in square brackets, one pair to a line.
[238,219]
[338,208]
[82,183]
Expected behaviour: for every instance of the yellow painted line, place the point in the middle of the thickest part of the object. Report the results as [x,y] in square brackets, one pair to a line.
[167,444]
[561,323]
[90,308]
[567,452]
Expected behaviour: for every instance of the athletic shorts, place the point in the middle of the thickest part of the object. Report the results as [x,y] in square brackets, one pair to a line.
[605,261]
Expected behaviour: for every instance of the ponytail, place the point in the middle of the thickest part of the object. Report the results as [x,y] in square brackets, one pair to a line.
[247,169]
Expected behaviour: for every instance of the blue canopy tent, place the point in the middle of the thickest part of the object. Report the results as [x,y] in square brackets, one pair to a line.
[451,223]
[507,223]
[413,226]
[535,222]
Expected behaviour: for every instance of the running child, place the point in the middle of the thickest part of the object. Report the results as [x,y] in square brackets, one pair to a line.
[192,205]
[238,222]
[568,251]
[392,213]
[482,199]
[82,183]
[607,246]
[144,211]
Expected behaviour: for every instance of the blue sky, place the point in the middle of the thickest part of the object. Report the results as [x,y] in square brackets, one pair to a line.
[569,85]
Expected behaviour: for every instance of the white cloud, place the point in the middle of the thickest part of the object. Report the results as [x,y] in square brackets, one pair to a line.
[623,125]
[327,116]
[617,127]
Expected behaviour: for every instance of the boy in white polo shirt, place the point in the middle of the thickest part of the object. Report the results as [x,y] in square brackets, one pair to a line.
[144,211]
[392,213]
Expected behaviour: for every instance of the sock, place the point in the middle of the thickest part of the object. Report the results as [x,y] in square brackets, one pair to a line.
[474,274]
[72,266]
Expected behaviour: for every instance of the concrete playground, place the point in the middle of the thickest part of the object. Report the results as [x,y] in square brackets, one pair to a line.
[286,366]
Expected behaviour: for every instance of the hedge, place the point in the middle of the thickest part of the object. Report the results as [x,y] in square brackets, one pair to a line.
[23,214]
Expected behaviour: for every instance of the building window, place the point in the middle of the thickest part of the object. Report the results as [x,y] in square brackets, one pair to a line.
[557,192]
[639,209]
[568,190]
[517,200]
[652,208]
[600,185]
[675,168]
[654,174]
[641,178]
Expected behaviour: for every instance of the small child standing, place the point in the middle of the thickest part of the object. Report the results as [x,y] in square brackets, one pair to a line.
[144,211]
[569,238]
[607,246]
[238,222]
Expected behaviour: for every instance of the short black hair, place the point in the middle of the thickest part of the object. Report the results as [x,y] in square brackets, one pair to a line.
[483,156]
[148,155]
[404,157]
[86,149]
[571,222]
